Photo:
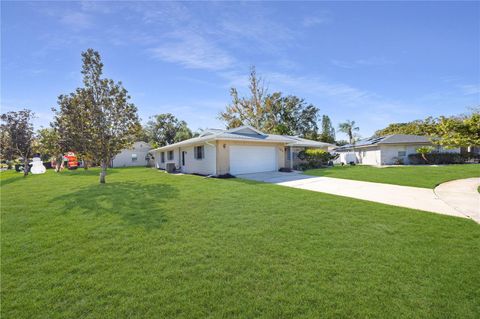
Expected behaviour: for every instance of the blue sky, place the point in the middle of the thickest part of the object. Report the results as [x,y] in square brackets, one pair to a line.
[372,62]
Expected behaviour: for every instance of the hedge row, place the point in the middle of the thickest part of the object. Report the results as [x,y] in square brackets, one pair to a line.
[443,158]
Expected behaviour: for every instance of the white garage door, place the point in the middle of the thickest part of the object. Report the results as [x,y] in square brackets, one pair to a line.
[252,159]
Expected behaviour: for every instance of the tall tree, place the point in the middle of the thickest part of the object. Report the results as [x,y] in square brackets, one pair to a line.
[47,143]
[114,119]
[142,135]
[74,126]
[327,134]
[247,110]
[110,122]
[417,127]
[459,131]
[164,129]
[290,115]
[349,128]
[183,133]
[18,135]
[270,113]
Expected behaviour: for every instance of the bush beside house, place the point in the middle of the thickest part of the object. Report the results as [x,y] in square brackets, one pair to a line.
[315,158]
[435,158]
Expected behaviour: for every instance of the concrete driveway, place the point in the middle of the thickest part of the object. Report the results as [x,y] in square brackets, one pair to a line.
[462,194]
[411,197]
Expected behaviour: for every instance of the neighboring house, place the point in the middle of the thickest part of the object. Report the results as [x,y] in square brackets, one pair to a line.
[240,150]
[386,150]
[134,156]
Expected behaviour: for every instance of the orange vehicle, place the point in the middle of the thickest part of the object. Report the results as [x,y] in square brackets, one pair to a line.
[71,159]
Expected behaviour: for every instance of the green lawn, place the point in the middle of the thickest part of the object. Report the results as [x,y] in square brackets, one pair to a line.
[418,176]
[152,245]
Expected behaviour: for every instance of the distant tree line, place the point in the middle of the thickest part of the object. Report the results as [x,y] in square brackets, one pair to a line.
[454,131]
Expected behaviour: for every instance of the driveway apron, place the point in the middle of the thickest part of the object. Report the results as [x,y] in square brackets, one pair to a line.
[404,196]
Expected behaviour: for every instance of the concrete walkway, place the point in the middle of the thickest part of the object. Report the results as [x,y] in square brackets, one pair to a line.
[462,194]
[411,197]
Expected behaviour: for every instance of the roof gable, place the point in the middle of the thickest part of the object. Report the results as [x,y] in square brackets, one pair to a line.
[210,131]
[246,129]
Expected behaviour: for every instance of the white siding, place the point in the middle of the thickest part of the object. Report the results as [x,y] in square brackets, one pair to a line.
[365,156]
[158,159]
[386,154]
[347,157]
[390,152]
[369,156]
[205,166]
[124,158]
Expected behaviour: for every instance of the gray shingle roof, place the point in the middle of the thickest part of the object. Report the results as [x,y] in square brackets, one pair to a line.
[389,139]
[404,138]
[217,134]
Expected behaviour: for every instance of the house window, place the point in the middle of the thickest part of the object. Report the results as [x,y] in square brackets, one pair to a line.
[198,151]
[162,157]
[402,153]
[170,155]
[134,157]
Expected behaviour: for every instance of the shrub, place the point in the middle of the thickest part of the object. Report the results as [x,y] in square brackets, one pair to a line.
[315,158]
[398,161]
[442,158]
[424,150]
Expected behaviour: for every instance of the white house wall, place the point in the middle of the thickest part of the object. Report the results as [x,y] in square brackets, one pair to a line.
[124,158]
[390,152]
[158,159]
[205,166]
[365,156]
[369,156]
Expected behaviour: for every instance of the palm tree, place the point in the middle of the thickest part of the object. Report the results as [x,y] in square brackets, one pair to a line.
[349,128]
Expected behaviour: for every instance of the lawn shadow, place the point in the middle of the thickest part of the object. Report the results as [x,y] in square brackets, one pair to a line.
[136,204]
[9,180]
[86,172]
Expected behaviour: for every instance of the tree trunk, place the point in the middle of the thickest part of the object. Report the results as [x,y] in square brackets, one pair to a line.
[425,158]
[25,167]
[103,172]
[85,164]
[58,163]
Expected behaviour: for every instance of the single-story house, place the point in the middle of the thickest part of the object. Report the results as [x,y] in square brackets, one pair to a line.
[235,151]
[133,156]
[386,150]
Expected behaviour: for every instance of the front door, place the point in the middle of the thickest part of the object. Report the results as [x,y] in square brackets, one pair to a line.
[183,160]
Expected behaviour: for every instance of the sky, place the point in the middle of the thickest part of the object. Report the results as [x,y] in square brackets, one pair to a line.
[372,62]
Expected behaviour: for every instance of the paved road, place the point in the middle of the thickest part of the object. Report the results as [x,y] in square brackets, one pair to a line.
[462,194]
[411,197]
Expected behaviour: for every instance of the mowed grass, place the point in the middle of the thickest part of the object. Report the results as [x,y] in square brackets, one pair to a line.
[152,245]
[417,176]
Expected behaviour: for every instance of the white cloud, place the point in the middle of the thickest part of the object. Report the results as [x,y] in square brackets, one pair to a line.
[372,61]
[321,18]
[317,86]
[193,51]
[77,20]
[470,89]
